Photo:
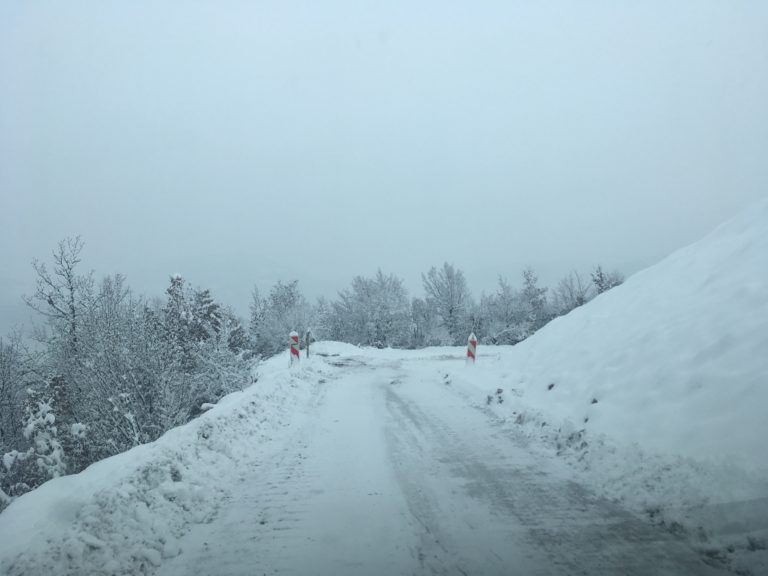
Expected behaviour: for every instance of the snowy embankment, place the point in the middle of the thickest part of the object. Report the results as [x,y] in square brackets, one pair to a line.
[125,514]
[677,357]
[657,390]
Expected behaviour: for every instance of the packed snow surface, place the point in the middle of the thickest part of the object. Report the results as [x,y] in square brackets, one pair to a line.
[627,437]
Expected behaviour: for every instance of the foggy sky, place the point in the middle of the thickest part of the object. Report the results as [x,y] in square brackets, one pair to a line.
[237,143]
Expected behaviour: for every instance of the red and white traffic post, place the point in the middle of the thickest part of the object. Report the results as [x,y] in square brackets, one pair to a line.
[294,347]
[471,348]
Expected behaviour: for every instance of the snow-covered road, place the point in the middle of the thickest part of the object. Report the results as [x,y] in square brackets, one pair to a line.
[391,471]
[645,406]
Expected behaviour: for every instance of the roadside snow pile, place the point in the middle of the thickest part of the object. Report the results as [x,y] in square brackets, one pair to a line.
[675,360]
[657,390]
[124,515]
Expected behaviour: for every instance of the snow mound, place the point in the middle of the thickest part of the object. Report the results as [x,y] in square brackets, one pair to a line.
[675,360]
[125,514]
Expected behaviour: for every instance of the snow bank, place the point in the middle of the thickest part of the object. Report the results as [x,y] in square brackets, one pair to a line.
[675,360]
[657,392]
[124,515]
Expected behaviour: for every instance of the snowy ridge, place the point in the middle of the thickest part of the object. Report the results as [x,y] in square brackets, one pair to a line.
[124,514]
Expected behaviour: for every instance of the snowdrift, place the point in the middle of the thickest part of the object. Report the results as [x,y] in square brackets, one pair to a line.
[675,360]
[125,514]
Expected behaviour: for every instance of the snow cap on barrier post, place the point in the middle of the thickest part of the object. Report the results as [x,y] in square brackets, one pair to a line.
[471,348]
[294,337]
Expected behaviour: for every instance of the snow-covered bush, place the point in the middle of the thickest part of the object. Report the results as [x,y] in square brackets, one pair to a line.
[112,370]
[373,312]
[273,318]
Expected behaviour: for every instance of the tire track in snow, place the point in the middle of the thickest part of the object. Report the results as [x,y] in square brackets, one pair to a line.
[392,474]
[327,504]
[488,507]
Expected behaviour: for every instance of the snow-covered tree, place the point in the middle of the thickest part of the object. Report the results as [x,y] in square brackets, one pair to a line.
[257,310]
[119,397]
[63,295]
[604,281]
[505,314]
[234,332]
[571,292]
[425,324]
[42,430]
[373,312]
[284,310]
[446,289]
[206,318]
[534,302]
[13,380]
[112,371]
[64,298]
[321,322]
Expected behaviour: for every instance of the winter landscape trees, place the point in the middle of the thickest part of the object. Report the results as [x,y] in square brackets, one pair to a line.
[108,369]
[373,312]
[446,291]
[272,318]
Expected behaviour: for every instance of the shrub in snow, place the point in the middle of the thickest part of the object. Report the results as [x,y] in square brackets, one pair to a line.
[41,430]
[605,281]
[16,470]
[78,430]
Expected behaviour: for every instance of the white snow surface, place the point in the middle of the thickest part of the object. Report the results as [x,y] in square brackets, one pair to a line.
[124,514]
[329,460]
[677,357]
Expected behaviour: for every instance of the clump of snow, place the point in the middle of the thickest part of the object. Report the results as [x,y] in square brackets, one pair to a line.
[43,416]
[9,458]
[78,430]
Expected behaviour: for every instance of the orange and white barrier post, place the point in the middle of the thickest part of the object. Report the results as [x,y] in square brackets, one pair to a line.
[471,348]
[294,347]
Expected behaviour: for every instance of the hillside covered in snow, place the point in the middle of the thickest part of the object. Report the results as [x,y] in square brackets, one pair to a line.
[657,391]
[674,360]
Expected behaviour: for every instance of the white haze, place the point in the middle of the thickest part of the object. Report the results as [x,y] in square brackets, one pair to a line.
[240,143]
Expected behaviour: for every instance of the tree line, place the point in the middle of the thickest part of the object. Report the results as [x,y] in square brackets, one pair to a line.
[107,369]
[378,312]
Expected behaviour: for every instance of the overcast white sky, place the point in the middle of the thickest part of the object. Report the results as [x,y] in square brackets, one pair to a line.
[242,142]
